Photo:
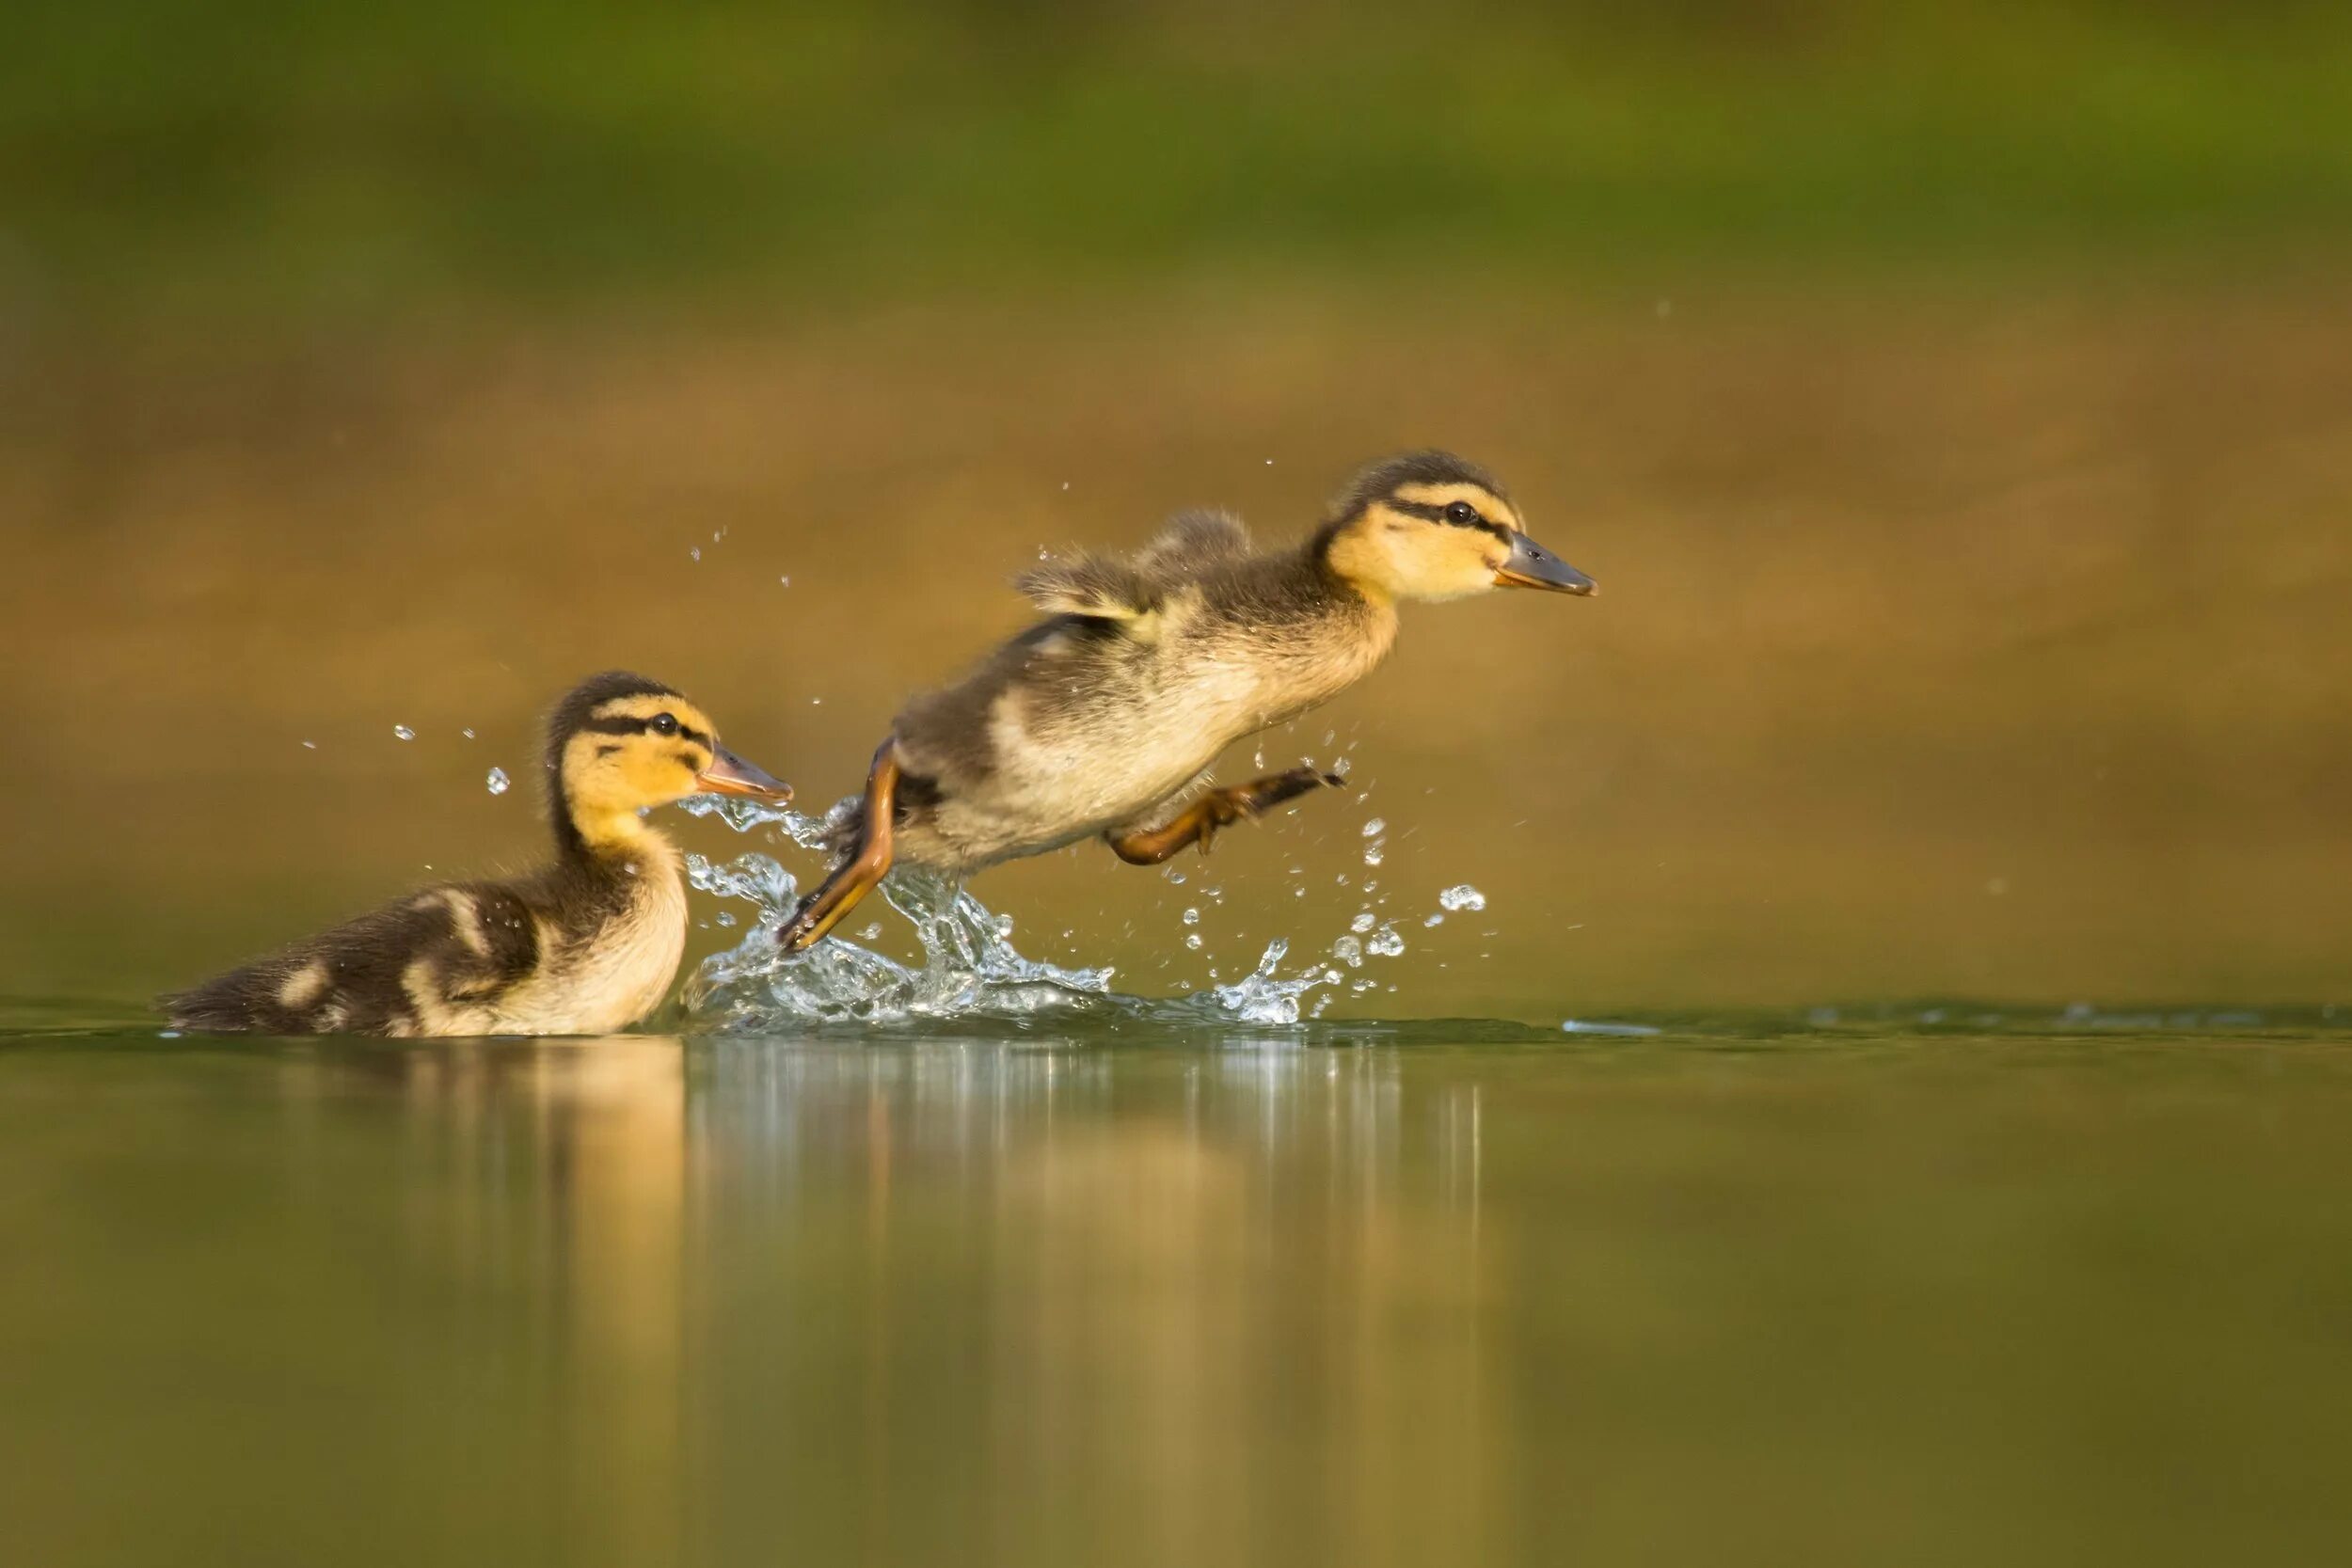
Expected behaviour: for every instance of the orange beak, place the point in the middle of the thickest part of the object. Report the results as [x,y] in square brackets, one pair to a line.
[729,774]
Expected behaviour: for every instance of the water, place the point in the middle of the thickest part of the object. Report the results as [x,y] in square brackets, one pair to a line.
[966,968]
[1754,1291]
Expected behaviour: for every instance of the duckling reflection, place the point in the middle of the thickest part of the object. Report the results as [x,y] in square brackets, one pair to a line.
[1082,1271]
[547,1196]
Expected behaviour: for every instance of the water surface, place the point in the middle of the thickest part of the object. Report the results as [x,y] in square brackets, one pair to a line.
[1750,1290]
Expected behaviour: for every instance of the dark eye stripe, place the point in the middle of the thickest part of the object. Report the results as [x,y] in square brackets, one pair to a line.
[1437,515]
[624,725]
[641,727]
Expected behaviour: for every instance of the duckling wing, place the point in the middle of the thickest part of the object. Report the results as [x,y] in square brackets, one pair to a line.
[1131,592]
[418,966]
[1191,542]
[492,940]
[1092,586]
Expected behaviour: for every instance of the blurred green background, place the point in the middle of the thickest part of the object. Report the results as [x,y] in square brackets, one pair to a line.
[292,159]
[1952,399]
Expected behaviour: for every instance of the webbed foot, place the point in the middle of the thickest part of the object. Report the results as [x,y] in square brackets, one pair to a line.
[1198,823]
[858,876]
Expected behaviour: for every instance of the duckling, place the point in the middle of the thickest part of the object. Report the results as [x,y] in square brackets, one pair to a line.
[585,945]
[1104,718]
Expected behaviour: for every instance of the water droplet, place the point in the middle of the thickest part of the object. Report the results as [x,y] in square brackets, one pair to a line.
[310,745]
[1434,920]
[1193,941]
[1349,952]
[872,931]
[1385,943]
[787,581]
[467,734]
[724,918]
[1374,854]
[403,732]
[1362,923]
[1192,917]
[498,781]
[1461,897]
[696,553]
[1375,827]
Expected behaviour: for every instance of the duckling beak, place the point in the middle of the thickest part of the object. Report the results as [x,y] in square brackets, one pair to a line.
[1531,566]
[729,774]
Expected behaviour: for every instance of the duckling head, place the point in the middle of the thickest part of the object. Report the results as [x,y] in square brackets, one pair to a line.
[1429,525]
[619,744]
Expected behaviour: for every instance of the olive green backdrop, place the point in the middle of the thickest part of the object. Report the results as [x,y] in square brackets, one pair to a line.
[1952,404]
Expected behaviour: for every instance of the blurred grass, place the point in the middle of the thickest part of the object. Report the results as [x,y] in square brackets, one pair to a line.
[281,159]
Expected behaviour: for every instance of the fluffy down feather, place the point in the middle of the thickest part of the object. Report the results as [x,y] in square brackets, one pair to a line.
[1132,588]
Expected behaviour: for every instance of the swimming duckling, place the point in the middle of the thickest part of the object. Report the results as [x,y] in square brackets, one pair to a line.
[1104,716]
[584,946]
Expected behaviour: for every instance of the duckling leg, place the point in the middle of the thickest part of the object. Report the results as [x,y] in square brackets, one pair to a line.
[1198,823]
[858,876]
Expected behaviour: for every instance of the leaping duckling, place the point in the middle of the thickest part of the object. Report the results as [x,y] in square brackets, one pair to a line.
[1104,718]
[587,944]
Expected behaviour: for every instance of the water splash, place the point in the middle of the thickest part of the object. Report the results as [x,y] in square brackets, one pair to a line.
[968,968]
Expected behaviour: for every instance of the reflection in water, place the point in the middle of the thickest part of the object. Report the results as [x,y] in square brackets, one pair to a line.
[1042,1303]
[546,1181]
[1857,1299]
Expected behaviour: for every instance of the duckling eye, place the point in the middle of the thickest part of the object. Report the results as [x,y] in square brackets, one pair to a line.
[665,723]
[1462,513]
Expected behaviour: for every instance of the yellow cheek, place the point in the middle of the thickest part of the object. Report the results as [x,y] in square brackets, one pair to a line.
[658,773]
[1445,564]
